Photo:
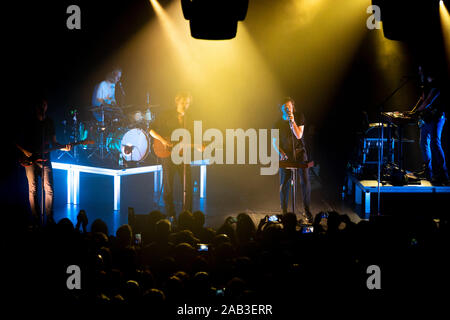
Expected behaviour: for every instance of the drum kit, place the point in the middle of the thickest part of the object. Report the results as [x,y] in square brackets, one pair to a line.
[121,133]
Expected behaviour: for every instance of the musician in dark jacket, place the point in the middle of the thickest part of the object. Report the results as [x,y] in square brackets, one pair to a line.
[162,129]
[291,146]
[38,137]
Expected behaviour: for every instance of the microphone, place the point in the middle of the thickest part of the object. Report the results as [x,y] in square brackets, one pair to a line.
[121,88]
[290,114]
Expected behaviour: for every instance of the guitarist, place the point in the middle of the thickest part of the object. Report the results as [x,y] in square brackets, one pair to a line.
[162,129]
[432,119]
[39,134]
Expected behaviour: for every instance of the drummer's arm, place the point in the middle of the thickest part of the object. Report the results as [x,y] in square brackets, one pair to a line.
[111,101]
[106,102]
[101,101]
[103,98]
[155,135]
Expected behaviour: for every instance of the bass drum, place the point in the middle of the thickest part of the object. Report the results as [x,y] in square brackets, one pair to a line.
[134,144]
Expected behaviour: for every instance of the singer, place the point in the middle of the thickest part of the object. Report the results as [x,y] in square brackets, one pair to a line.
[292,147]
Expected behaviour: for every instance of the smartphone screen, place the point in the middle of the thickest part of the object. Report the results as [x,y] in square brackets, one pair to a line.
[273,218]
[138,238]
[202,247]
[308,229]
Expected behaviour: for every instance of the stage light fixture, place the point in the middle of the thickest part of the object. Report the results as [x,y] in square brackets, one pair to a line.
[214,19]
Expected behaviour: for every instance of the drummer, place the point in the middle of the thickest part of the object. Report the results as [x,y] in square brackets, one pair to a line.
[105,92]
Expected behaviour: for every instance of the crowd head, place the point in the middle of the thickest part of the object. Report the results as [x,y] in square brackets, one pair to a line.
[241,261]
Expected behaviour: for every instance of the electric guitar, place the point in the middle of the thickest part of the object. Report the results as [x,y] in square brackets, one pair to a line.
[37,157]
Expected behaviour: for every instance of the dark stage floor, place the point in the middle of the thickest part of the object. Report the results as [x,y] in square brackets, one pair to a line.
[231,189]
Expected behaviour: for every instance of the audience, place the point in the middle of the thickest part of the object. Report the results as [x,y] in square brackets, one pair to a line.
[238,263]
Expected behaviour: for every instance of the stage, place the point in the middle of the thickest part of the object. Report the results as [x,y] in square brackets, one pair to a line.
[227,191]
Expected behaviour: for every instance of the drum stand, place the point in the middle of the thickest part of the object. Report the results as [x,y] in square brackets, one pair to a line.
[72,154]
[101,148]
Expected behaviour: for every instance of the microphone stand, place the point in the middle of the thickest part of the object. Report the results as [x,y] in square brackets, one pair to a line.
[294,172]
[122,100]
[184,170]
[121,89]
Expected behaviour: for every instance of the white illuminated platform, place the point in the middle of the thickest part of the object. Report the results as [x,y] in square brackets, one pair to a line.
[74,170]
[362,190]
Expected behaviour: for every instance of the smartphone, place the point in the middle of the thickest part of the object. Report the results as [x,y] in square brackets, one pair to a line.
[273,218]
[219,292]
[202,247]
[138,238]
[307,229]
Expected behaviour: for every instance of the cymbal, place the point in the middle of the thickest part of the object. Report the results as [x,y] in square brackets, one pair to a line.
[140,108]
[128,106]
[96,109]
[106,108]
[151,107]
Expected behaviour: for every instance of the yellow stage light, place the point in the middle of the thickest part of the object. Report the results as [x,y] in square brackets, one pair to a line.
[445,24]
[229,80]
[240,81]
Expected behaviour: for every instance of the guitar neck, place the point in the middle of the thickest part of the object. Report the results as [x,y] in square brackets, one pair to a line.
[71,144]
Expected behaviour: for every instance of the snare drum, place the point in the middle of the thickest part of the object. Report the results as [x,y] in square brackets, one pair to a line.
[134,144]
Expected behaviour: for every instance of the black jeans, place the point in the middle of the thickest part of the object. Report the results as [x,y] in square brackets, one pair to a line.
[169,170]
[33,172]
[285,183]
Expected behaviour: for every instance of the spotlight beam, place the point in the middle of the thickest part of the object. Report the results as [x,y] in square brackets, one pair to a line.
[445,25]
